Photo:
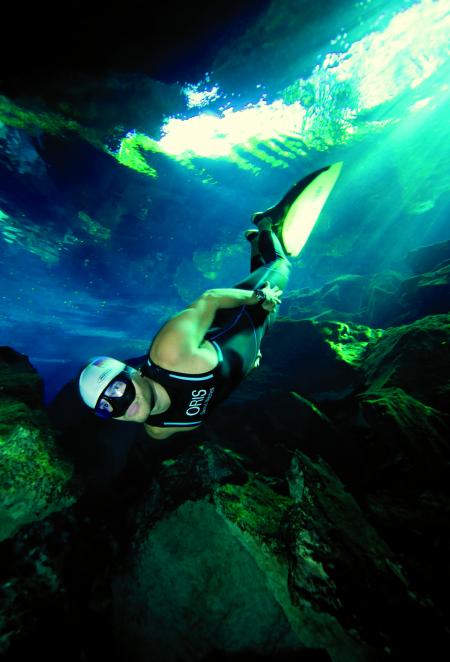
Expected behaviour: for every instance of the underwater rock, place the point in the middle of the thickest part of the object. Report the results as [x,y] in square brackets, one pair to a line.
[19,380]
[395,432]
[317,359]
[34,479]
[408,440]
[210,574]
[340,566]
[415,524]
[414,357]
[297,414]
[33,593]
[370,300]
[407,471]
[345,297]
[264,565]
[194,588]
[297,423]
[425,294]
[381,299]
[427,258]
[191,588]
[382,304]
[345,293]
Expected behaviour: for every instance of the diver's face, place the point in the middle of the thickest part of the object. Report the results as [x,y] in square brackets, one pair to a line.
[140,408]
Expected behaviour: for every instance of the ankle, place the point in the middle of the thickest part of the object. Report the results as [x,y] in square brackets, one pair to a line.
[265,224]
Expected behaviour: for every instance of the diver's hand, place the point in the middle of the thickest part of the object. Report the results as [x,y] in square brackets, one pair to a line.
[273,296]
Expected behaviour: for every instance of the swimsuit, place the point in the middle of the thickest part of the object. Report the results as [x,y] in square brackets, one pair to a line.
[191,396]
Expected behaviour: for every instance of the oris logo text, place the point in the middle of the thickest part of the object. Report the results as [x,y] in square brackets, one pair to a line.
[198,401]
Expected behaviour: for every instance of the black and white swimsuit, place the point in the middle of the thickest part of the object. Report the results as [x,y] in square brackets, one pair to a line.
[192,397]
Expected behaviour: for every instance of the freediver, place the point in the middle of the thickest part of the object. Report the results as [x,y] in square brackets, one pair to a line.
[204,352]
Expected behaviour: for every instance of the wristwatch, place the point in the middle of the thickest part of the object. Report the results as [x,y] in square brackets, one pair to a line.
[260,295]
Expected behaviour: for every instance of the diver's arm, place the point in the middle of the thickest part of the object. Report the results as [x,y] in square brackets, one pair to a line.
[184,334]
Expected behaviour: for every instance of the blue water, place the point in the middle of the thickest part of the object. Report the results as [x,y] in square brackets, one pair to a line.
[96,251]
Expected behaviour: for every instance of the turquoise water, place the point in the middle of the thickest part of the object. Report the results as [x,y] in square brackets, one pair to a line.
[124,203]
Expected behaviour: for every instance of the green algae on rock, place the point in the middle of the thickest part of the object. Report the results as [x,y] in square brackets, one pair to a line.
[350,342]
[414,357]
[34,479]
[218,564]
[408,438]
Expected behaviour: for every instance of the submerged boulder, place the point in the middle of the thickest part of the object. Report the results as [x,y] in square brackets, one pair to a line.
[291,413]
[414,357]
[342,568]
[361,299]
[425,294]
[259,565]
[382,299]
[407,441]
[34,479]
[320,360]
[427,258]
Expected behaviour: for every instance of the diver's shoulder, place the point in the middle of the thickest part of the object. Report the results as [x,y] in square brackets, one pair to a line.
[193,363]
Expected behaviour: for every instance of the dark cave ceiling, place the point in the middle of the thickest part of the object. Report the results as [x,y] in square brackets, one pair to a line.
[167,41]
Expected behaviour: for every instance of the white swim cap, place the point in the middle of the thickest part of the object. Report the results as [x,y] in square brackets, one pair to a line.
[96,376]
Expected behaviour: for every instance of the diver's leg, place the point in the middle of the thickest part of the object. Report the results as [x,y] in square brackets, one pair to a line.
[239,331]
[277,274]
[265,245]
[270,246]
[258,321]
[256,259]
[275,266]
[240,335]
